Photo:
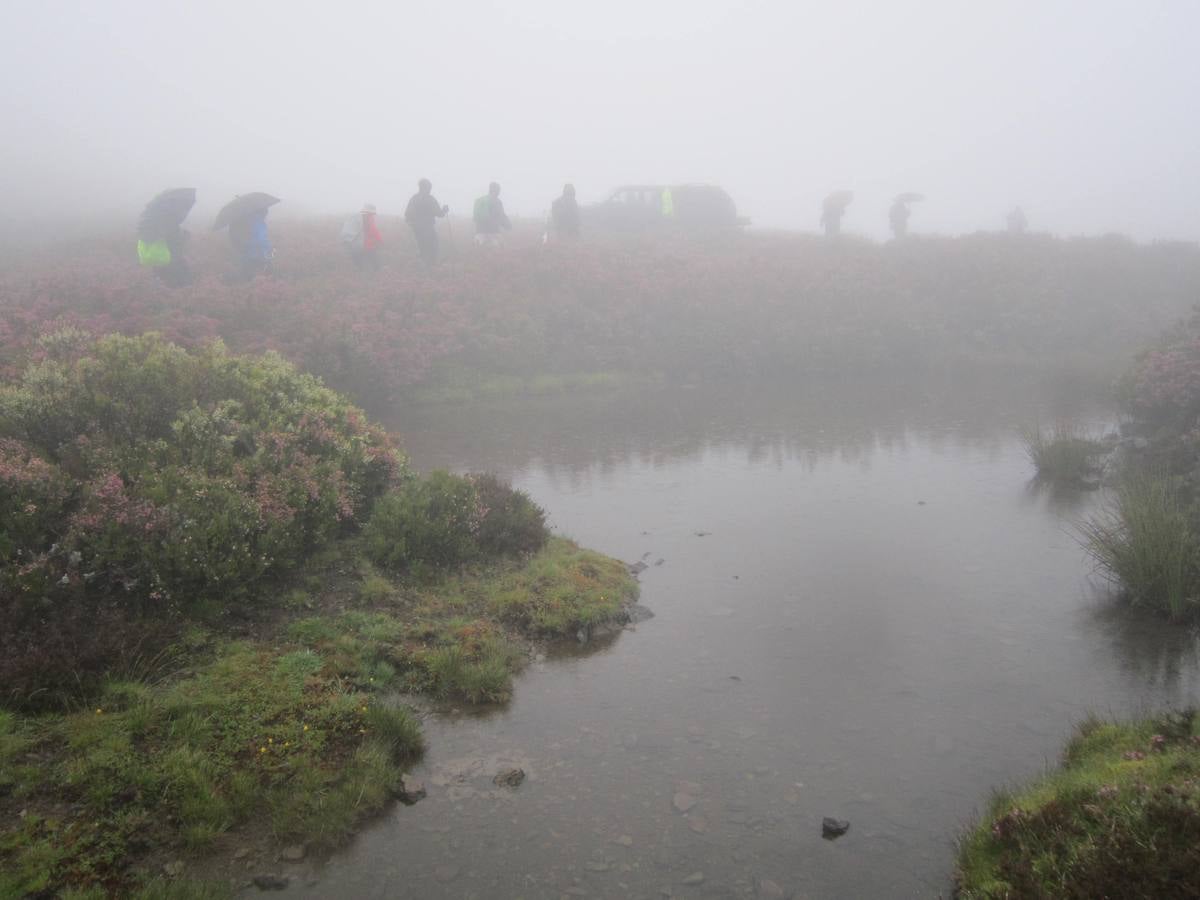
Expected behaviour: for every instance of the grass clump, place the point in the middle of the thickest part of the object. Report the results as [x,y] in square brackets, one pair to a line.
[255,733]
[1145,543]
[561,590]
[1119,818]
[1062,455]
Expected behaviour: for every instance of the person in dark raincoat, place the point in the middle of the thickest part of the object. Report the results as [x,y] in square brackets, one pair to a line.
[898,218]
[250,240]
[564,214]
[1016,221]
[490,217]
[832,210]
[422,214]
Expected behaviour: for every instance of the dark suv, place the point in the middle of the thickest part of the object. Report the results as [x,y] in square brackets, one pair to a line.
[645,207]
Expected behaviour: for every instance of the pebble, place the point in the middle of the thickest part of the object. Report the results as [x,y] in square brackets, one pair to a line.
[694,878]
[294,853]
[173,869]
[683,801]
[624,841]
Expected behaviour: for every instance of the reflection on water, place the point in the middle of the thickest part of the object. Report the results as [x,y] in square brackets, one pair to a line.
[863,612]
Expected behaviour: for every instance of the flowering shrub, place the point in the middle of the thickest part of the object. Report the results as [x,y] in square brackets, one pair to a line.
[512,523]
[136,476]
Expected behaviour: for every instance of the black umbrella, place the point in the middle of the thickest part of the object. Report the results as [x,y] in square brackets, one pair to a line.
[165,213]
[838,200]
[241,206]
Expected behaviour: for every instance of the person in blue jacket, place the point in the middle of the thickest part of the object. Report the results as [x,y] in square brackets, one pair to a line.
[252,244]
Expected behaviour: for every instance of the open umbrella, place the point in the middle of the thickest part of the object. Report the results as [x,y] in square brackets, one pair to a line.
[909,198]
[838,200]
[165,213]
[241,206]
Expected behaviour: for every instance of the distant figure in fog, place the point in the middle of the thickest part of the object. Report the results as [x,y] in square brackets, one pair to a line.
[899,213]
[564,214]
[490,217]
[362,239]
[832,211]
[161,238]
[1016,221]
[252,244]
[422,214]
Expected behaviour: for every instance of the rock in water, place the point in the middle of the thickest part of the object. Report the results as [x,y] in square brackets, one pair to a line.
[509,777]
[638,568]
[411,789]
[683,801]
[832,828]
[270,882]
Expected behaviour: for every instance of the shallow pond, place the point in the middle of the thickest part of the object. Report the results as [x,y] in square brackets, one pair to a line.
[863,609]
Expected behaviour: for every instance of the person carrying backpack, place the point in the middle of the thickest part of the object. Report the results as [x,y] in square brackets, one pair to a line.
[362,239]
[490,217]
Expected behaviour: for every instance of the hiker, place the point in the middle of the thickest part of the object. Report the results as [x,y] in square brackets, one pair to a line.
[564,214]
[490,217]
[248,234]
[422,214]
[832,210]
[1016,221]
[361,237]
[898,218]
[161,238]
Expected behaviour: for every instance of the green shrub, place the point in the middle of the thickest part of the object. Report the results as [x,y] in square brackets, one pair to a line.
[512,523]
[1145,543]
[430,524]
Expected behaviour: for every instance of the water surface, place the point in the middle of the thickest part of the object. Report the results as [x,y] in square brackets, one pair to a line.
[863,609]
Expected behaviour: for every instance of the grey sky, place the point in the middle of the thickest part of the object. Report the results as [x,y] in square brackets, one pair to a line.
[1084,113]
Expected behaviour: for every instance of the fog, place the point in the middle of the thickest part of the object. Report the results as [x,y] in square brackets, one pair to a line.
[1082,113]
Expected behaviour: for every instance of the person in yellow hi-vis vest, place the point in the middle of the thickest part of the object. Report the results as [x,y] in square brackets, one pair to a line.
[668,204]
[160,237]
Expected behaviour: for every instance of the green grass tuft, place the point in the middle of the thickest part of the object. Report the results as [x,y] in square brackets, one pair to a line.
[1144,543]
[1063,455]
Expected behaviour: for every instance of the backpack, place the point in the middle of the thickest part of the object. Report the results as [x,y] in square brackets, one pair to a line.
[483,210]
[154,255]
[352,232]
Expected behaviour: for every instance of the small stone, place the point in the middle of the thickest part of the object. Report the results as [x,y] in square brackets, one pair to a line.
[832,828]
[241,852]
[683,801]
[509,777]
[659,561]
[623,841]
[767,888]
[173,869]
[270,882]
[294,853]
[446,873]
[697,824]
[702,533]
[694,878]
[411,789]
[637,568]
